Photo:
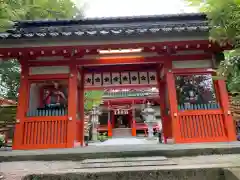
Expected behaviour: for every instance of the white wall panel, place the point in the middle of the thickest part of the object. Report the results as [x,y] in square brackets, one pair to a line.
[192,64]
[48,70]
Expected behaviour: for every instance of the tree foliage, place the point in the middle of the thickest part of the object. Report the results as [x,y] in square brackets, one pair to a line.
[224,20]
[15,10]
[230,68]
[10,79]
[92,97]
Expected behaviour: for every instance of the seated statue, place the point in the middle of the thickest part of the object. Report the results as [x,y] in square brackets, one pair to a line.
[55,98]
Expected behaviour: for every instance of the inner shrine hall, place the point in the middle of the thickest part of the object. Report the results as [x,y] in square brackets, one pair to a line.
[166,60]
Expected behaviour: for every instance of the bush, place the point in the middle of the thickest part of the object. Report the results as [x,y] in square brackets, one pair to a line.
[102,137]
[2,140]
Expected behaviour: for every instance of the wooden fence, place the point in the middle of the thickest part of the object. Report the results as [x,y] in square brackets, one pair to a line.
[45,133]
[201,126]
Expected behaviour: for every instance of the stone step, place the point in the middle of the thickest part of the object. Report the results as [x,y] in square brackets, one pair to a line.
[125,162]
[153,158]
[122,132]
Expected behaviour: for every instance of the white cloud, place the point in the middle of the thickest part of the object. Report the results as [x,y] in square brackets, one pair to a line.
[109,8]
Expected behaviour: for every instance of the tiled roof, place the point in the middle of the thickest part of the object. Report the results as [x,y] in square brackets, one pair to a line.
[108,26]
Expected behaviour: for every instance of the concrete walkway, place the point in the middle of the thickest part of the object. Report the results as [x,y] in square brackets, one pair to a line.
[125,141]
[140,150]
[193,168]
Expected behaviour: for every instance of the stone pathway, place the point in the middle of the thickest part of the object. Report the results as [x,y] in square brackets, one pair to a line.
[122,148]
[17,170]
[124,141]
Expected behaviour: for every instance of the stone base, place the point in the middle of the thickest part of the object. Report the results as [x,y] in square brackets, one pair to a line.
[183,174]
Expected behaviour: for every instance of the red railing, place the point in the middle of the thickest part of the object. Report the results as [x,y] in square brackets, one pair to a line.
[45,133]
[201,126]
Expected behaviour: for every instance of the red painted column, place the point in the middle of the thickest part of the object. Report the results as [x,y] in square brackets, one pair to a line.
[81,107]
[72,106]
[162,95]
[173,108]
[165,121]
[228,119]
[22,106]
[109,123]
[134,130]
[172,100]
[130,118]
[112,117]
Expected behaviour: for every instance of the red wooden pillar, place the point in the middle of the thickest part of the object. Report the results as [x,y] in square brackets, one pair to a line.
[173,108]
[22,106]
[134,130]
[112,119]
[130,118]
[110,123]
[72,106]
[228,120]
[81,107]
[162,94]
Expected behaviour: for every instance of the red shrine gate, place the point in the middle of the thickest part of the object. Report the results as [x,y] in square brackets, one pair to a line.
[177,58]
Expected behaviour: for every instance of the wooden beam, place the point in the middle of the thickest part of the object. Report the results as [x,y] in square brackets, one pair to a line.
[118,68]
[185,71]
[65,51]
[40,77]
[119,61]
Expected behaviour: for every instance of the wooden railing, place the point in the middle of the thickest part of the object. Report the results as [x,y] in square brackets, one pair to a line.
[47,112]
[198,106]
[201,126]
[47,133]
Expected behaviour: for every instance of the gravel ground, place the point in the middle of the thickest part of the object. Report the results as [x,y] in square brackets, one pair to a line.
[16,170]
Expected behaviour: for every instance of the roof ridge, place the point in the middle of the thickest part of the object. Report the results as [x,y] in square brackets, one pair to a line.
[118,17]
[123,19]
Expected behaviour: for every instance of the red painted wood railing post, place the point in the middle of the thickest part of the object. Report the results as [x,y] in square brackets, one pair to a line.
[228,119]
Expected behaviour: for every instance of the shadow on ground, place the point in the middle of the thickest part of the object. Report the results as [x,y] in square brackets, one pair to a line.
[183,174]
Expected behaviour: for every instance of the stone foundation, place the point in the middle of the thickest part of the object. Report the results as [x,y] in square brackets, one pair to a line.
[183,174]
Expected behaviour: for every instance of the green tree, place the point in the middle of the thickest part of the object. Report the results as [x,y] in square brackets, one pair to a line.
[224,21]
[92,97]
[14,10]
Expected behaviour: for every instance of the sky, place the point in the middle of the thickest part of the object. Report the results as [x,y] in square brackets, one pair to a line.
[113,8]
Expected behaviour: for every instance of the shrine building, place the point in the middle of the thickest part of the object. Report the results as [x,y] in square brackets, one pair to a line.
[166,60]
